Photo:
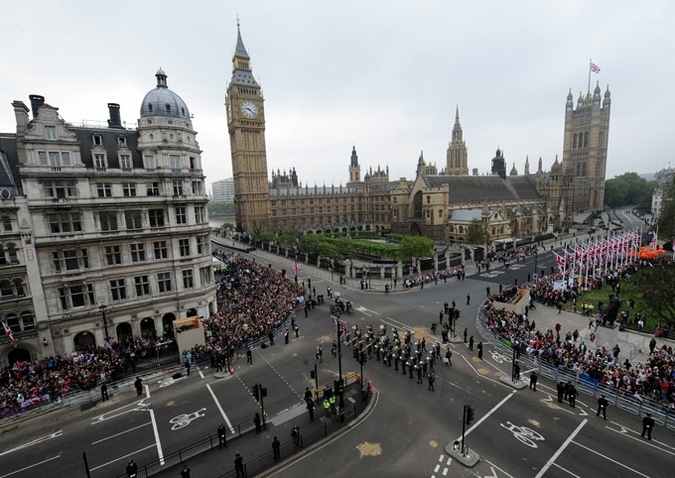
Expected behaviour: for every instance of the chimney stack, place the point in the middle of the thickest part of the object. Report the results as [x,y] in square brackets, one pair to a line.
[35,102]
[115,120]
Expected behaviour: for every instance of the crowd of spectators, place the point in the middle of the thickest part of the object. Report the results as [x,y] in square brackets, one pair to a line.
[25,383]
[654,379]
[253,301]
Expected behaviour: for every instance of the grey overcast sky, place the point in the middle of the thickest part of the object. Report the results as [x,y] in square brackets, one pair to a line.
[383,75]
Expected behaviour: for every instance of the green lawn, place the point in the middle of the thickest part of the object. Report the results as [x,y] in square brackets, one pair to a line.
[629,290]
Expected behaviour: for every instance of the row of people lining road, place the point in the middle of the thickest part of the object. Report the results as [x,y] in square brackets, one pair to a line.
[653,379]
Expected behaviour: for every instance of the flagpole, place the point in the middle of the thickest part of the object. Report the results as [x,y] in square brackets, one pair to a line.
[589,74]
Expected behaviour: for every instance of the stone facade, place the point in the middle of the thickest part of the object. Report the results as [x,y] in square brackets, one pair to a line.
[435,205]
[108,225]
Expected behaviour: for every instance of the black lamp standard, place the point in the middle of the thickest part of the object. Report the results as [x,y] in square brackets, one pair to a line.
[339,352]
[102,309]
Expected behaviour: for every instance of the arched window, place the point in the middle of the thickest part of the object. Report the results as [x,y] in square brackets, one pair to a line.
[583,169]
[11,253]
[428,199]
[574,141]
[586,139]
[12,321]
[6,290]
[28,320]
[19,287]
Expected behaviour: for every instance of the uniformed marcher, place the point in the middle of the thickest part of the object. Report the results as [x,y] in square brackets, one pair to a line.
[239,465]
[471,343]
[561,391]
[572,394]
[602,407]
[132,469]
[257,422]
[310,409]
[647,425]
[276,448]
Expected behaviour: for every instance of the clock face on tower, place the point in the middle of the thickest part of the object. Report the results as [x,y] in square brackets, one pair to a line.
[249,109]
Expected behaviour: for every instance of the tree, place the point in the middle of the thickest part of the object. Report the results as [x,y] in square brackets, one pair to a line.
[415,246]
[658,286]
[667,219]
[478,232]
[628,189]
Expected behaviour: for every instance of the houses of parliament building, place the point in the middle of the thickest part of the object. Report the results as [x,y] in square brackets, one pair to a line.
[439,205]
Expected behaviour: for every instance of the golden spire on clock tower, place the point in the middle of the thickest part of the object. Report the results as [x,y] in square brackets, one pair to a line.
[246,126]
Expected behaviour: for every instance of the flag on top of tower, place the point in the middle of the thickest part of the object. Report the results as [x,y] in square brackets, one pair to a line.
[595,68]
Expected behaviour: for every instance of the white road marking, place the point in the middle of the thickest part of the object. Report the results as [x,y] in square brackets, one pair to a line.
[120,433]
[220,408]
[492,467]
[34,442]
[607,458]
[157,441]
[561,449]
[397,324]
[365,310]
[494,473]
[120,458]
[487,415]
[31,466]
[120,411]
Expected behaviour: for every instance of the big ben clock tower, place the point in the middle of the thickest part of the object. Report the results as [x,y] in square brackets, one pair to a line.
[246,125]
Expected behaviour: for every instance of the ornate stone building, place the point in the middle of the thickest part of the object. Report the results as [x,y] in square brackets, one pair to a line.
[105,231]
[440,206]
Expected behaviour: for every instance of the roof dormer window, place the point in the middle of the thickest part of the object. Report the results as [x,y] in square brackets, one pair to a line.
[97,139]
[168,108]
[150,108]
[121,142]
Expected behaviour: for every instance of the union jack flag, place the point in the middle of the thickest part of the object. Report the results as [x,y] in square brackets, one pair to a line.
[561,262]
[344,330]
[595,68]
[9,333]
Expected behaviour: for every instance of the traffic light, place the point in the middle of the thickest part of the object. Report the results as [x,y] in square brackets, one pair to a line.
[470,414]
[364,358]
[263,391]
[256,392]
[456,313]
[355,353]
[312,374]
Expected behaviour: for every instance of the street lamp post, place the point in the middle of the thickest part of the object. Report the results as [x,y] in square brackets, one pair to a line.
[102,309]
[339,352]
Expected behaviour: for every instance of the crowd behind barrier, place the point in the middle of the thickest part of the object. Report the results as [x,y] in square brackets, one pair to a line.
[253,302]
[565,352]
[24,384]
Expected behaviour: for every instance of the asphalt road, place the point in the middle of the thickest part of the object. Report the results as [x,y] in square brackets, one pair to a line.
[517,433]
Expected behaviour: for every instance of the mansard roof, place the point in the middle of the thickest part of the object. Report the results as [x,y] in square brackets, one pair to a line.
[109,137]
